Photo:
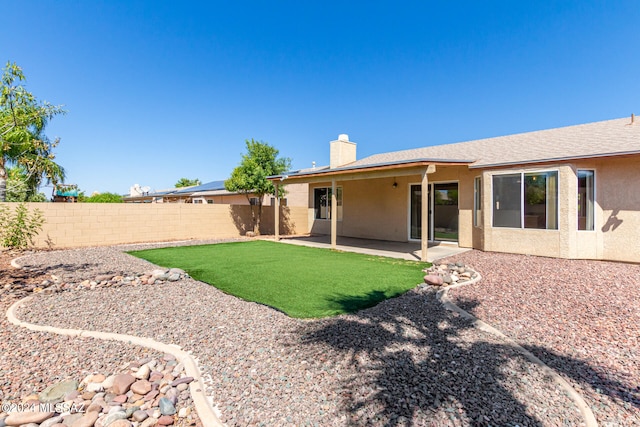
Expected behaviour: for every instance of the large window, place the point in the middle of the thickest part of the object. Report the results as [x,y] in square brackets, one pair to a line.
[507,200]
[526,200]
[586,198]
[322,202]
[477,201]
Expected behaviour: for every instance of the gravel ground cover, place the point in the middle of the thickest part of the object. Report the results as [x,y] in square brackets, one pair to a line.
[32,361]
[580,317]
[404,362]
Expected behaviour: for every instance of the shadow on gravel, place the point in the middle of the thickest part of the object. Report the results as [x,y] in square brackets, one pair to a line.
[415,365]
[584,373]
[601,380]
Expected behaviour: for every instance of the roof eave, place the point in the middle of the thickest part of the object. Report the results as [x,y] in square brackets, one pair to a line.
[555,159]
[373,167]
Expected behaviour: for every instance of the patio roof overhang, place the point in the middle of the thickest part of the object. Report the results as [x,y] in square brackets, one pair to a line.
[380,170]
[422,167]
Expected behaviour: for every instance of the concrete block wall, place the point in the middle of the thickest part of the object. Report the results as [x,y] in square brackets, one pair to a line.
[72,225]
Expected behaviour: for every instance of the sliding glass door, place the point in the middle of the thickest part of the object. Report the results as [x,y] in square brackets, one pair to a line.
[442,222]
[415,214]
[445,211]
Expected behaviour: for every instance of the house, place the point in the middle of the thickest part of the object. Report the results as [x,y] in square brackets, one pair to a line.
[213,193]
[570,192]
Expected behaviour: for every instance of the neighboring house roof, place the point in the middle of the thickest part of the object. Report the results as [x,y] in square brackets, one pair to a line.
[607,138]
[162,192]
[207,186]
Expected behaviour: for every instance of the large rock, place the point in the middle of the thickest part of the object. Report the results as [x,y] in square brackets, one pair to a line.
[143,372]
[122,383]
[433,280]
[140,416]
[106,421]
[55,393]
[165,420]
[141,387]
[19,418]
[183,380]
[87,420]
[159,274]
[149,422]
[166,406]
[51,421]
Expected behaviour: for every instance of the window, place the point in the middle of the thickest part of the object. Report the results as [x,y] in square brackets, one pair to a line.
[283,201]
[322,202]
[507,200]
[477,201]
[526,200]
[209,201]
[198,201]
[586,199]
[253,201]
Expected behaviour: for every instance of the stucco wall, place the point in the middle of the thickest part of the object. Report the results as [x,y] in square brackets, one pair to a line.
[297,194]
[618,208]
[617,215]
[554,243]
[374,209]
[95,224]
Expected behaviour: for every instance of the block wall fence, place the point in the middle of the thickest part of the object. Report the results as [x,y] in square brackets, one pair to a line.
[74,225]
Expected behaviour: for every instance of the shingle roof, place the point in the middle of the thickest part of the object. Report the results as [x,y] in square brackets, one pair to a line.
[610,137]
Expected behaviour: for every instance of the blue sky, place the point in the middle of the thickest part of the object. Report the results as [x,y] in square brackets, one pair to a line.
[157,90]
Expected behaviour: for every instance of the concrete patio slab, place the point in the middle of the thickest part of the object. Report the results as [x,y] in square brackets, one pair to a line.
[403,250]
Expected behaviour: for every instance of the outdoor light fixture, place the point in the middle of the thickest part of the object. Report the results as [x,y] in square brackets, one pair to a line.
[395,184]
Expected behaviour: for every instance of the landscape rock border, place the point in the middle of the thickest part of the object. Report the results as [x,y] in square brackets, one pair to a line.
[202,404]
[443,297]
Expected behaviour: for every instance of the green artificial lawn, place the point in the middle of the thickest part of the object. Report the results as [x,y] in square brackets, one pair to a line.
[300,281]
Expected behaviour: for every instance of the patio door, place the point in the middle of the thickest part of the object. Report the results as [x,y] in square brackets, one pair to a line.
[415,213]
[443,212]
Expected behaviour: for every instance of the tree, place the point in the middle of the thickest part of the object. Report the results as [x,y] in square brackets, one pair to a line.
[186,182]
[104,198]
[250,177]
[23,120]
[18,187]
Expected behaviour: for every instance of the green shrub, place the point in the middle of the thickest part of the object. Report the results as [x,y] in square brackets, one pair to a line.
[104,198]
[18,228]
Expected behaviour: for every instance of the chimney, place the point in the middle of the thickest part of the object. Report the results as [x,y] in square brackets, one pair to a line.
[342,151]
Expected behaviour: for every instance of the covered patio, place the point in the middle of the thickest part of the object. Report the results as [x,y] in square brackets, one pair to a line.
[411,251]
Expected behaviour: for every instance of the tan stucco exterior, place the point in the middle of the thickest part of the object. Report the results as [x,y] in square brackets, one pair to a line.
[617,214]
[373,208]
[617,209]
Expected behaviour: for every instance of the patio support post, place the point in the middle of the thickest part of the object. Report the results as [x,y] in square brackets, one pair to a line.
[276,213]
[424,229]
[334,215]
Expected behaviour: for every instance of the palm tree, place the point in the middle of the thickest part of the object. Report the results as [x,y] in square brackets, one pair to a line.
[22,140]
